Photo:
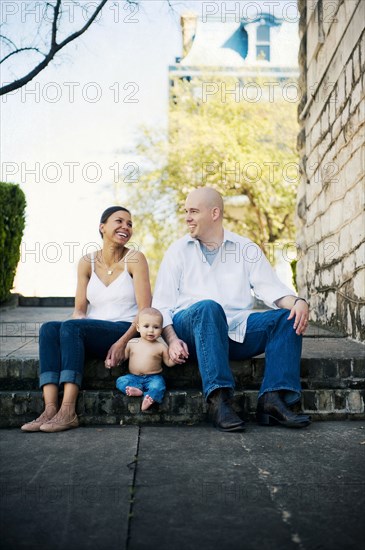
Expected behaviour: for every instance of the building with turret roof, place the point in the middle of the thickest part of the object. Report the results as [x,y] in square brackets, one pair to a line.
[265,46]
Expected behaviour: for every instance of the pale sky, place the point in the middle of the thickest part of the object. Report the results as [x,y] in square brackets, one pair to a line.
[78,129]
[75,124]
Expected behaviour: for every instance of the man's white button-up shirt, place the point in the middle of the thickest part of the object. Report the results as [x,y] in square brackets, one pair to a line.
[185,277]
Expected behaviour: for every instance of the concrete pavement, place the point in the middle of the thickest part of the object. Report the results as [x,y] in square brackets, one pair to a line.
[184,488]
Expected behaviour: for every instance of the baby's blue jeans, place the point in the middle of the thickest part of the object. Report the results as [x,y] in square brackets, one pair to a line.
[151,384]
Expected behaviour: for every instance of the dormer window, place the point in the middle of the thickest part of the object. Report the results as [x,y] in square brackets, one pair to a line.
[263,42]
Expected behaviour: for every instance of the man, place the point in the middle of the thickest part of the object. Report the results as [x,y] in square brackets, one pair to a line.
[203,290]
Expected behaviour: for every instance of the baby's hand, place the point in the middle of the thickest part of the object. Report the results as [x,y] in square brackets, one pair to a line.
[170,363]
[178,351]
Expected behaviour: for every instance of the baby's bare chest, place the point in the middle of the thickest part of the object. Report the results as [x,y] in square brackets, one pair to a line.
[145,359]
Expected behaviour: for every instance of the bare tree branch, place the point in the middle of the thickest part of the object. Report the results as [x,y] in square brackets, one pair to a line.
[85,27]
[54,24]
[6,39]
[19,50]
[53,49]
[54,46]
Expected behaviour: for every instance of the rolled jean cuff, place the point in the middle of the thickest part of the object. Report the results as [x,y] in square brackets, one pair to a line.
[290,397]
[217,387]
[70,376]
[49,377]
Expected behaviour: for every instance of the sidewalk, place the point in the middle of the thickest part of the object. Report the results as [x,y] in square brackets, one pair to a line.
[184,488]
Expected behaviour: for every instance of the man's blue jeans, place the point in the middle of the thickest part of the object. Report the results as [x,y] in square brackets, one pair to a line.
[64,345]
[151,384]
[203,326]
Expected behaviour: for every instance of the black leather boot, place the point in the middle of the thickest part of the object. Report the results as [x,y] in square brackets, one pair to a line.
[223,416]
[272,410]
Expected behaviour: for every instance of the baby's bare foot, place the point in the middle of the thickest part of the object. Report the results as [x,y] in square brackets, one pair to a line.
[146,403]
[134,392]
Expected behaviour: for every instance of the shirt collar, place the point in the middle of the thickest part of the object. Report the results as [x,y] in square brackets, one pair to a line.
[228,236]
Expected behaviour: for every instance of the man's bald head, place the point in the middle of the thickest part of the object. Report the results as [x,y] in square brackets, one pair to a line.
[207,197]
[204,215]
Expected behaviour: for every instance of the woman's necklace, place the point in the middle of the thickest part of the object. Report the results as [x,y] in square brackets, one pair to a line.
[110,269]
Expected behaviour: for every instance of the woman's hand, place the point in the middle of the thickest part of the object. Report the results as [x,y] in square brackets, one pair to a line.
[77,315]
[115,355]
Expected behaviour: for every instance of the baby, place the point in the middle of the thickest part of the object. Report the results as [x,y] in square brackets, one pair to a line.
[145,356]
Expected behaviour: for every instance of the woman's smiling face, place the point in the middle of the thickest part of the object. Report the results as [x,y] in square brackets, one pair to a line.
[118,227]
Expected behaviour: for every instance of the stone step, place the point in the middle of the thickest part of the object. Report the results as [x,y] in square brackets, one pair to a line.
[44,302]
[331,363]
[332,375]
[15,329]
[178,407]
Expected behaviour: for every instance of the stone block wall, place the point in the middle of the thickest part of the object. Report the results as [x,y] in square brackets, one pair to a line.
[330,213]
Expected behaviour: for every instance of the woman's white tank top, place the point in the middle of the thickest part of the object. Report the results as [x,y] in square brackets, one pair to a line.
[115,302]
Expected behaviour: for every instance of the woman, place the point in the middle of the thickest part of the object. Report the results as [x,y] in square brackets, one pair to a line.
[112,285]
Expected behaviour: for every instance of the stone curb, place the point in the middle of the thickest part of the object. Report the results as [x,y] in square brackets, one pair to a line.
[316,373]
[178,407]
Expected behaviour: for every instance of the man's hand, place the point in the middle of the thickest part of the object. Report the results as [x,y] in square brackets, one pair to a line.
[300,311]
[178,351]
[115,355]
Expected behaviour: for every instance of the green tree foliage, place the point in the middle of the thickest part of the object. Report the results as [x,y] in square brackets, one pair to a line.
[12,221]
[244,149]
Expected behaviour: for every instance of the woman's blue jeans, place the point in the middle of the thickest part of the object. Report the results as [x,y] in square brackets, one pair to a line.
[203,326]
[64,345]
[151,384]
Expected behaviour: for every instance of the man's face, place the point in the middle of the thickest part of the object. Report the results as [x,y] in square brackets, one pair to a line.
[198,217]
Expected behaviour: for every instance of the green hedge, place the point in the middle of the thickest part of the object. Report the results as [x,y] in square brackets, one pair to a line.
[293,265]
[12,221]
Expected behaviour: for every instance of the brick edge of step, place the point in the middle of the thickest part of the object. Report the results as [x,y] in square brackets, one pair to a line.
[179,407]
[21,374]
